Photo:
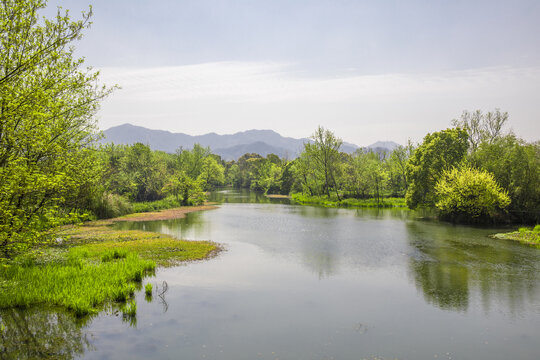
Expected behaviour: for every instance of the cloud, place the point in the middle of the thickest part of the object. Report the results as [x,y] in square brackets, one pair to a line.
[276,95]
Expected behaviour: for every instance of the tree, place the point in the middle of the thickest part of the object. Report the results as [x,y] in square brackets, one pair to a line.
[191,161]
[481,127]
[324,151]
[470,195]
[397,163]
[440,151]
[145,171]
[516,167]
[212,173]
[47,129]
[183,186]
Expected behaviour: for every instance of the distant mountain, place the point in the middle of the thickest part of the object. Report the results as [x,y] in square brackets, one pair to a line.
[259,147]
[387,145]
[229,147]
[382,147]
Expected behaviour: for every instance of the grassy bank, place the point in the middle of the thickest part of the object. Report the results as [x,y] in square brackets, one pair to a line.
[529,236]
[93,266]
[350,203]
[113,206]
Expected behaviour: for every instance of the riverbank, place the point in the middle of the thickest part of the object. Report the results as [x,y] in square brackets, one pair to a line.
[324,201]
[529,236]
[277,196]
[167,214]
[94,264]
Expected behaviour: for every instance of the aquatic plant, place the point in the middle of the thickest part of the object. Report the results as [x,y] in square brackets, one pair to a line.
[148,289]
[130,309]
[80,284]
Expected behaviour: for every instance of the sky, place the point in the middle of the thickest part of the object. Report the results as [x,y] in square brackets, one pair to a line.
[367,70]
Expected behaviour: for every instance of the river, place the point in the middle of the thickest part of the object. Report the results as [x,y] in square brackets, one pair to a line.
[301,282]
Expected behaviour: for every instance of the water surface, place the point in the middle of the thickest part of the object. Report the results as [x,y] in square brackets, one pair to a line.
[299,282]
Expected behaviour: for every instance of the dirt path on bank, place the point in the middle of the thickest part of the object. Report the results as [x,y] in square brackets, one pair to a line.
[168,214]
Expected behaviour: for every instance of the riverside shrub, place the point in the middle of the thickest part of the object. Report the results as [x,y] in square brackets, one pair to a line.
[470,195]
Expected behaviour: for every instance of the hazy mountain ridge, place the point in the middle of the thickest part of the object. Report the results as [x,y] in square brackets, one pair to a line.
[229,147]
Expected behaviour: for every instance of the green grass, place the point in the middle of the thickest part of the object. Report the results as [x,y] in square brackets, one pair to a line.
[149,206]
[350,203]
[524,235]
[81,283]
[96,265]
[130,309]
[148,289]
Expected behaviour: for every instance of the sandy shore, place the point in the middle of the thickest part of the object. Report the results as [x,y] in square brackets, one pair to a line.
[168,214]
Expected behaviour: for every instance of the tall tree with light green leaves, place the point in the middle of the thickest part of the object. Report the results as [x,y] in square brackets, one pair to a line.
[47,127]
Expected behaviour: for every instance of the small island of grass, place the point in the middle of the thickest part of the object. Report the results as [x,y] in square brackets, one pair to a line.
[524,235]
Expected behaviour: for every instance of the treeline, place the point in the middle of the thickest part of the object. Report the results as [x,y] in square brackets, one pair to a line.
[136,178]
[322,170]
[475,172]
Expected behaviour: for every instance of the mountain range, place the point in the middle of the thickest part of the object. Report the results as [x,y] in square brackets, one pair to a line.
[229,147]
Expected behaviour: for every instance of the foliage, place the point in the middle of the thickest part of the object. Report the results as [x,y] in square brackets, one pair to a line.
[523,235]
[469,195]
[164,250]
[149,206]
[482,128]
[46,122]
[186,190]
[212,173]
[302,199]
[323,154]
[439,151]
[516,167]
[111,205]
[148,289]
[105,265]
[78,284]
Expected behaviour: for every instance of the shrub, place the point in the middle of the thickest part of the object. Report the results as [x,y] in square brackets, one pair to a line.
[111,205]
[469,195]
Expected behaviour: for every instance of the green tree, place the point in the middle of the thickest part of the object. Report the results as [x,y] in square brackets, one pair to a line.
[482,127]
[212,173]
[516,167]
[47,129]
[324,152]
[439,151]
[470,195]
[146,171]
[397,166]
[185,188]
[191,161]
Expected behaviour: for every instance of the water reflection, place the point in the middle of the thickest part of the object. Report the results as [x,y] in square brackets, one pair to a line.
[452,264]
[37,333]
[193,226]
[244,196]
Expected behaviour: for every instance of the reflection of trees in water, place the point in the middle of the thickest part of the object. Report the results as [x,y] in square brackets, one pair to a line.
[35,333]
[323,262]
[450,264]
[193,223]
[244,196]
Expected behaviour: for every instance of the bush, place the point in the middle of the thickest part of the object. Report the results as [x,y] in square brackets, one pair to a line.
[111,206]
[469,195]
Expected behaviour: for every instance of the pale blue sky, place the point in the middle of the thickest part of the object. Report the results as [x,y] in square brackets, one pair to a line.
[369,70]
